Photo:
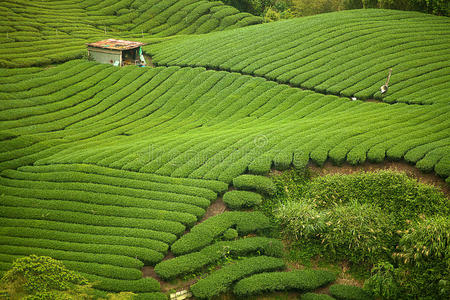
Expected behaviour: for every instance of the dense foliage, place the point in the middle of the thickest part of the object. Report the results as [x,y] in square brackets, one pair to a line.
[300,280]
[313,296]
[260,184]
[382,219]
[221,280]
[41,275]
[241,199]
[189,263]
[206,232]
[294,8]
[348,292]
[395,193]
[106,168]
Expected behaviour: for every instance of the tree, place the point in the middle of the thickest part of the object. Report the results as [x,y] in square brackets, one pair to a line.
[42,277]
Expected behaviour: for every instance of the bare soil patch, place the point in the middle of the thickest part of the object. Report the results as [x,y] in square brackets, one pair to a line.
[216,208]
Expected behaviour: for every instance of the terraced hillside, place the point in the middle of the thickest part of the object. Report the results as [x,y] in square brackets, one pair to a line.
[190,122]
[347,53]
[42,32]
[105,167]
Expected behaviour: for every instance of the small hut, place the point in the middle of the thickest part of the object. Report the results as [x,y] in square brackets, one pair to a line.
[117,52]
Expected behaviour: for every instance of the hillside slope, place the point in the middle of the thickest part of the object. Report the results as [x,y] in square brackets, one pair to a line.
[105,167]
[42,32]
[190,122]
[344,53]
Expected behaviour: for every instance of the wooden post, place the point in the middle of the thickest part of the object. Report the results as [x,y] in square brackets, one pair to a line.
[389,77]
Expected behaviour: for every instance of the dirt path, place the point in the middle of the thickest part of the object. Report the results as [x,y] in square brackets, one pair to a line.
[428,178]
[217,207]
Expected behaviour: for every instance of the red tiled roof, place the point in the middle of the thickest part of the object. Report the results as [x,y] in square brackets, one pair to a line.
[116,44]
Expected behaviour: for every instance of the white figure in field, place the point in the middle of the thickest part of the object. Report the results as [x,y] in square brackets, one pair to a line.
[384,88]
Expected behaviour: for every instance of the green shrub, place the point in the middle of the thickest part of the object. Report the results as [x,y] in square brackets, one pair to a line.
[348,292]
[150,296]
[361,233]
[394,192]
[424,257]
[148,256]
[241,199]
[230,234]
[426,241]
[260,184]
[16,229]
[192,262]
[383,282]
[143,285]
[313,296]
[115,235]
[300,219]
[40,274]
[204,233]
[220,280]
[115,260]
[301,280]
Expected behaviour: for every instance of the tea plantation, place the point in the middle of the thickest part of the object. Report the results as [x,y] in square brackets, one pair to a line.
[41,32]
[111,169]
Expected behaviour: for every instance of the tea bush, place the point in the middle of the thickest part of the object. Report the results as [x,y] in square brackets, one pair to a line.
[260,184]
[221,280]
[189,263]
[151,296]
[299,280]
[348,292]
[313,296]
[230,234]
[204,233]
[142,285]
[241,199]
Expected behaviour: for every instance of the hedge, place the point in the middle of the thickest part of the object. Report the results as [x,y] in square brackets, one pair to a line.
[241,199]
[313,296]
[230,234]
[115,235]
[260,184]
[348,292]
[204,233]
[143,285]
[90,219]
[301,280]
[18,231]
[103,258]
[125,183]
[221,280]
[147,256]
[105,210]
[150,296]
[192,262]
